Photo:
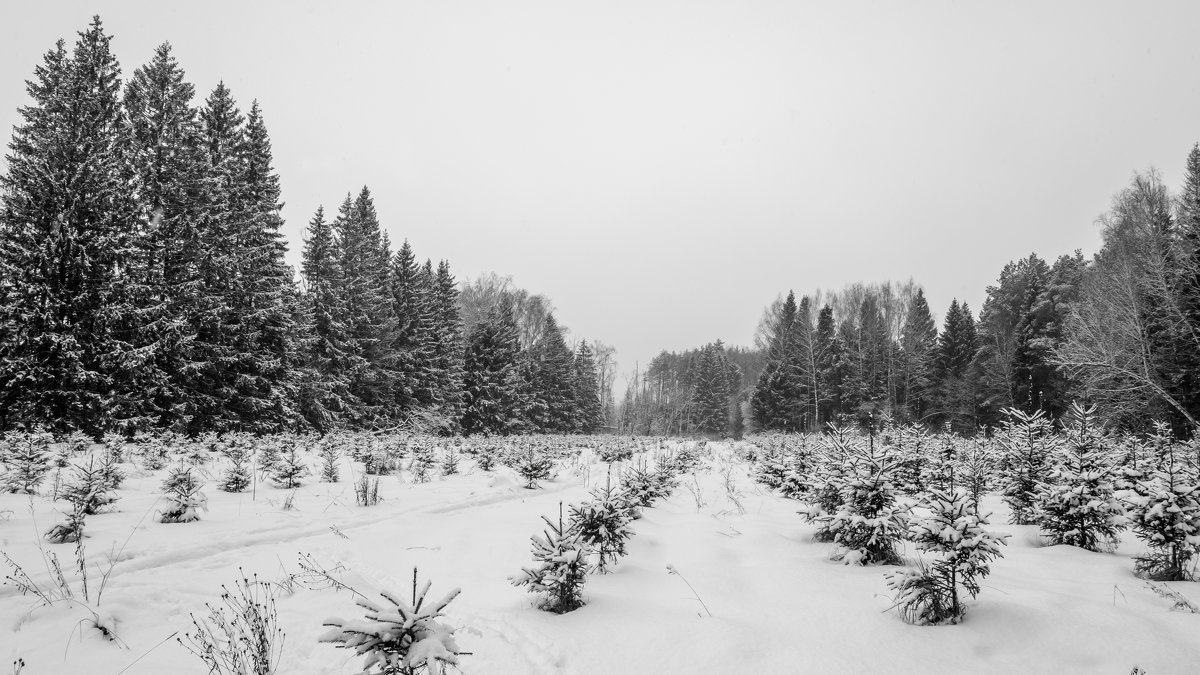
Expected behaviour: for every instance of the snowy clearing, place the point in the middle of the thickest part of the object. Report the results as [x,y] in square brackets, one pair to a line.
[778,603]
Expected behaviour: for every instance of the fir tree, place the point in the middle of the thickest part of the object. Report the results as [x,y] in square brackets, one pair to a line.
[27,460]
[291,469]
[710,397]
[447,372]
[184,498]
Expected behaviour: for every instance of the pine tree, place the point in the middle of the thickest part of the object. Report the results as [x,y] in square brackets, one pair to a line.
[780,397]
[184,498]
[412,296]
[65,295]
[589,416]
[26,458]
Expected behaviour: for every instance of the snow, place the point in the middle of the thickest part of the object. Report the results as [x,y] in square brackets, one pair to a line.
[778,603]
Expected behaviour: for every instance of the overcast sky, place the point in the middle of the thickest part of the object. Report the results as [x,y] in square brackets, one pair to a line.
[662,170]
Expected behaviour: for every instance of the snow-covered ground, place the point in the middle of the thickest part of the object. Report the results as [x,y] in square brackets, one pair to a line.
[778,604]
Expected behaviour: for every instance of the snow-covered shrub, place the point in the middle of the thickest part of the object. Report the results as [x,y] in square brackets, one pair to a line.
[1028,446]
[1079,507]
[603,524]
[366,491]
[829,471]
[610,453]
[184,499]
[290,469]
[1165,513]
[27,460]
[642,487]
[269,455]
[397,637]
[561,570]
[953,532]
[533,466]
[241,635]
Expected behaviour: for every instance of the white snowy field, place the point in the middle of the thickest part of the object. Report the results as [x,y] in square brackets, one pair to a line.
[778,604]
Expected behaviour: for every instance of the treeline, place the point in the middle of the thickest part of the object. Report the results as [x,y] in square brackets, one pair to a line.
[143,284]
[698,391]
[1121,330]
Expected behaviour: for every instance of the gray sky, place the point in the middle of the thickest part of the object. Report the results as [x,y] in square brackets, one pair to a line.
[662,170]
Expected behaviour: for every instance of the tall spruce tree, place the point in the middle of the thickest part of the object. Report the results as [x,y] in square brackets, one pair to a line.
[370,316]
[776,402]
[830,358]
[66,229]
[492,379]
[325,398]
[958,345]
[919,345]
[552,381]
[711,392]
[589,416]
[448,347]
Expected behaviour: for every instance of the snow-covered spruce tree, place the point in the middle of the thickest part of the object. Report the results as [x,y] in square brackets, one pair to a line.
[1079,506]
[269,455]
[399,637]
[1165,512]
[869,523]
[70,531]
[829,475]
[486,456]
[184,499]
[641,486]
[89,489]
[68,357]
[329,463]
[953,532]
[533,466]
[772,465]
[976,466]
[561,570]
[423,462]
[603,524]
[291,469]
[1028,448]
[27,460]
[238,475]
[450,461]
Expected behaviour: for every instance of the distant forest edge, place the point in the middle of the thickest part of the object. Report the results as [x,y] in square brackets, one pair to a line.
[143,286]
[1121,330]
